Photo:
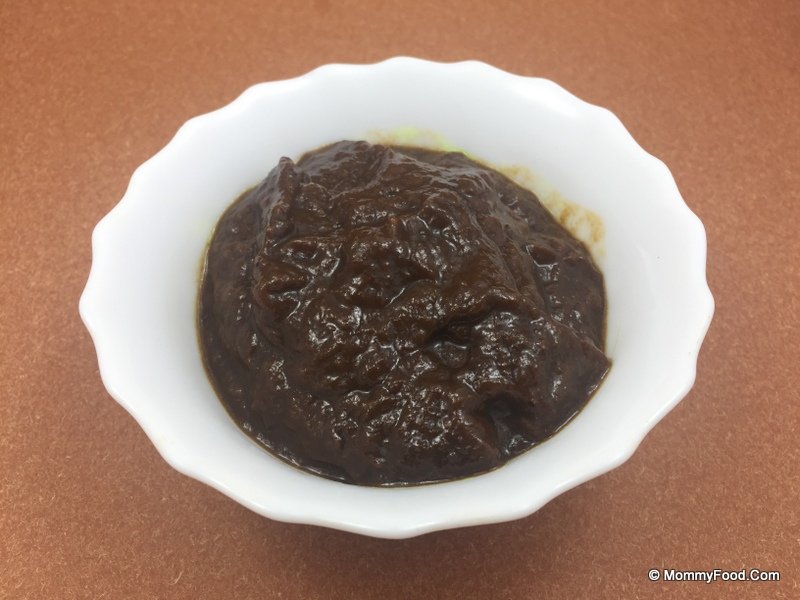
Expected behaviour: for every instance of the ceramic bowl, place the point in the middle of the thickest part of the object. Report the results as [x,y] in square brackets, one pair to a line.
[140,300]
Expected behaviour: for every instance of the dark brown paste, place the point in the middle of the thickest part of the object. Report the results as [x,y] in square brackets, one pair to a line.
[386,315]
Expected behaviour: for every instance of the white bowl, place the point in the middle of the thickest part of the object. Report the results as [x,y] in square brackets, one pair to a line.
[140,300]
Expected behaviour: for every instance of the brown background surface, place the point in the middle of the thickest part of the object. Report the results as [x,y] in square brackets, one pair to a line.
[88,509]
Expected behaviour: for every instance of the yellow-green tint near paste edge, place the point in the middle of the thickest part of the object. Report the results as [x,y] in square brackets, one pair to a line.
[584,224]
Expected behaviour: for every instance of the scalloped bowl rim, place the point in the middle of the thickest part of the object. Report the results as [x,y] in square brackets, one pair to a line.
[683,312]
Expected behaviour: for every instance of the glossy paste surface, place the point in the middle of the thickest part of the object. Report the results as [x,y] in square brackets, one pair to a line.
[388,315]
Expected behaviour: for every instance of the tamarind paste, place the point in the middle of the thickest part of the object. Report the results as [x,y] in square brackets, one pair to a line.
[387,315]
